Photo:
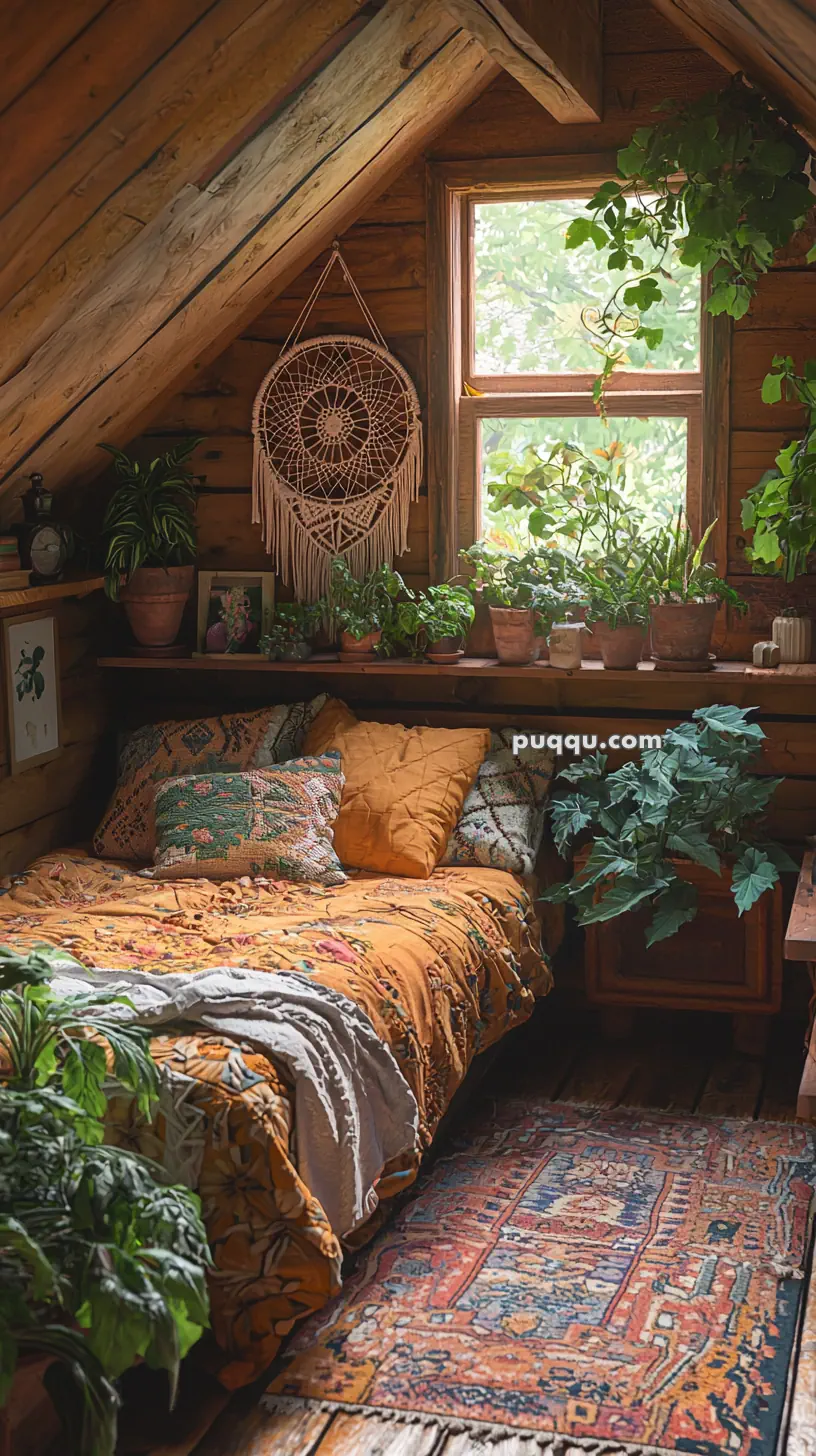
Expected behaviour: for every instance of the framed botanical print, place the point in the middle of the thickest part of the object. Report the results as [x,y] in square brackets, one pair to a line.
[234,612]
[33,709]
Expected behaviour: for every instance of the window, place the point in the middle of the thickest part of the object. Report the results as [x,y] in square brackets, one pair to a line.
[508,343]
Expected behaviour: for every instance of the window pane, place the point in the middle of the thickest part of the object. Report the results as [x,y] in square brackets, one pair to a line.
[530,291]
[654,452]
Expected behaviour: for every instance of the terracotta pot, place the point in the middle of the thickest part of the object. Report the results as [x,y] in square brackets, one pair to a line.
[29,1424]
[154,601]
[480,641]
[514,634]
[793,637]
[620,647]
[444,650]
[681,631]
[358,649]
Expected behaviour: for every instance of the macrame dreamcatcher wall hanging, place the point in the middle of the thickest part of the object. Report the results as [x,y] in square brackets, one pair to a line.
[338,451]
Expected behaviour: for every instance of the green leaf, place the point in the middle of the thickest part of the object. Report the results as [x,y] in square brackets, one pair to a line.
[772,389]
[674,907]
[751,876]
[625,894]
[733,722]
[693,842]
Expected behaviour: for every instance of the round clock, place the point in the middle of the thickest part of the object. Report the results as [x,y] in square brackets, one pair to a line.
[47,551]
[45,544]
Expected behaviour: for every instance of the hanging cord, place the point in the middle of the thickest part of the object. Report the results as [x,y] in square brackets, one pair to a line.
[300,321]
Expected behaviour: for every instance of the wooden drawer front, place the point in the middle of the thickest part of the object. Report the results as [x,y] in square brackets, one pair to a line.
[718,962]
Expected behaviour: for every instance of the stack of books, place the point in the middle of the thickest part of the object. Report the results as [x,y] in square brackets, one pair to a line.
[12,576]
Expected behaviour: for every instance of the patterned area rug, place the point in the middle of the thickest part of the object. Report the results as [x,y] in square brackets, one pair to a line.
[627,1280]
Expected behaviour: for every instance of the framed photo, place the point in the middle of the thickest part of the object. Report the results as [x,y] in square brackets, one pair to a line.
[33,710]
[234,611]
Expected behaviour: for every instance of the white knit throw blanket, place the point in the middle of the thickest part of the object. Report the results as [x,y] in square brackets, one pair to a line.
[354,1110]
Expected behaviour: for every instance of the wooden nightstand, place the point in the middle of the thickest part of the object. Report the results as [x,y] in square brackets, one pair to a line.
[800,945]
[718,962]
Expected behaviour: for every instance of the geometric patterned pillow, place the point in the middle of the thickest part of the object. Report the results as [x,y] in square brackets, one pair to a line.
[202,745]
[502,820]
[275,821]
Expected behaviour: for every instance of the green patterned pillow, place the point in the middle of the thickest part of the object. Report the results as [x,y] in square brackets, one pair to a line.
[227,743]
[275,821]
[502,820]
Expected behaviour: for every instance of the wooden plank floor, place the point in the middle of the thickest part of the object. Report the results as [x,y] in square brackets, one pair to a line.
[674,1063]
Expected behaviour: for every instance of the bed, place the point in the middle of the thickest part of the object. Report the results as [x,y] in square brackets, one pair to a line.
[442,967]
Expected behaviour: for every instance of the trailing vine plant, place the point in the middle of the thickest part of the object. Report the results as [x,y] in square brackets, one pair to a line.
[781,507]
[720,184]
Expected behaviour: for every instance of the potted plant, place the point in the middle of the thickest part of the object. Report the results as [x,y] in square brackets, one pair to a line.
[361,609]
[150,533]
[440,618]
[693,799]
[618,611]
[685,592]
[531,604]
[102,1261]
[289,637]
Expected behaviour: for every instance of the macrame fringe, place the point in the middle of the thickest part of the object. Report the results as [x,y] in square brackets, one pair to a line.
[300,560]
[548,1443]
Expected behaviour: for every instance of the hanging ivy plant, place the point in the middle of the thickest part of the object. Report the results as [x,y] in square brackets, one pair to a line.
[720,185]
[781,507]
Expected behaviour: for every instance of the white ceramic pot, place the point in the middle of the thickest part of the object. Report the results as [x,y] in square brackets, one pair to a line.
[792,636]
[565,641]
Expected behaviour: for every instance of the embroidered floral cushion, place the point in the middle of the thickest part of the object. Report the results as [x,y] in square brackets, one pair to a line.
[159,751]
[502,820]
[275,821]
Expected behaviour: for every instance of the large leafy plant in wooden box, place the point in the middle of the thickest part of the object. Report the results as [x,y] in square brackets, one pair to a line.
[102,1260]
[691,799]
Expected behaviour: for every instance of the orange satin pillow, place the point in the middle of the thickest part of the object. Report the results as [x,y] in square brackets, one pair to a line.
[404,789]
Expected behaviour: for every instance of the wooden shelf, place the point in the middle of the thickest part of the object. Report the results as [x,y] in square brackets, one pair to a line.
[30,596]
[804,673]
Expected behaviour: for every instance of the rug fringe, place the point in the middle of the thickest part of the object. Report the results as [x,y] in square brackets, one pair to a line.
[548,1443]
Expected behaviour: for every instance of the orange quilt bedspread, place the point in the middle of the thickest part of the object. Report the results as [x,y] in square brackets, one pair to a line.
[443,968]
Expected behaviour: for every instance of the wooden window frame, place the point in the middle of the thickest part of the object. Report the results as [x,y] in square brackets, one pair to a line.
[455,413]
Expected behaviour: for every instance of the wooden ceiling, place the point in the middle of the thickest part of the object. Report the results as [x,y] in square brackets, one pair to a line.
[171,165]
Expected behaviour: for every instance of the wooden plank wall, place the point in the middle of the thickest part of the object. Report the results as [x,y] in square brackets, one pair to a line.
[58,803]
[646,61]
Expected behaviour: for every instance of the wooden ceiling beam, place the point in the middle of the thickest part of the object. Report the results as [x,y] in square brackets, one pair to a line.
[553,48]
[226,74]
[195,276]
[772,41]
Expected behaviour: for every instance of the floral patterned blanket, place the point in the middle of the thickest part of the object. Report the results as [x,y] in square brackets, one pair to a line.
[442,967]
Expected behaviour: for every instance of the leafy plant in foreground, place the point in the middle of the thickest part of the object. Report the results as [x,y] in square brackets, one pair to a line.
[149,520]
[101,1260]
[692,799]
[781,507]
[722,182]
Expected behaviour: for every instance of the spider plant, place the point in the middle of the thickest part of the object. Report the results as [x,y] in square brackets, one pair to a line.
[150,519]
